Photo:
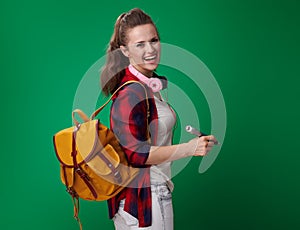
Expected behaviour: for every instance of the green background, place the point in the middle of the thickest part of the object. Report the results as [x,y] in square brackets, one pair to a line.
[252,49]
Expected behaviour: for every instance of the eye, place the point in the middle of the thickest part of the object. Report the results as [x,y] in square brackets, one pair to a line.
[154,40]
[140,45]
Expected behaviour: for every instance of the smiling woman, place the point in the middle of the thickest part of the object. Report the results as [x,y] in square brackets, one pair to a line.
[143,125]
[135,40]
[143,48]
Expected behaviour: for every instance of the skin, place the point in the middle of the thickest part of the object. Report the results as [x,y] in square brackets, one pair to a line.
[143,50]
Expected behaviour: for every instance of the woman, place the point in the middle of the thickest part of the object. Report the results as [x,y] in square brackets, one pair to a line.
[144,133]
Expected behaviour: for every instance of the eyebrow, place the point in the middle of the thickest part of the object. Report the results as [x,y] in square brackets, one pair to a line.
[154,38]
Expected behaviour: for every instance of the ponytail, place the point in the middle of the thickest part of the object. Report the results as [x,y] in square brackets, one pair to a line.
[116,62]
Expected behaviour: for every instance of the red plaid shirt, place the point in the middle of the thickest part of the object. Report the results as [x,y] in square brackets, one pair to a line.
[128,121]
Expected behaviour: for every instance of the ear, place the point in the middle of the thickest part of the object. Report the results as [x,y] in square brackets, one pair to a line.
[125,51]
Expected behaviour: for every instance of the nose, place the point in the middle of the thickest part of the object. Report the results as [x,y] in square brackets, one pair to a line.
[149,47]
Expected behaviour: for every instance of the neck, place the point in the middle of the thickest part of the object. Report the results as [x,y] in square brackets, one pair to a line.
[143,71]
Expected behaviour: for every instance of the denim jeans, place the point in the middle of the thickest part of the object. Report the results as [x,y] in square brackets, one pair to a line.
[162,212]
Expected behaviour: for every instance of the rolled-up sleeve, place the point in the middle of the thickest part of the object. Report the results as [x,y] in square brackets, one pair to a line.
[129,124]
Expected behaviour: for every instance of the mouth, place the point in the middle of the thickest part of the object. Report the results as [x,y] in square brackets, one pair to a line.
[150,58]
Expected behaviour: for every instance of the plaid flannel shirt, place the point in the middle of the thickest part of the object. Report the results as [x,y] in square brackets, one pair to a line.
[128,121]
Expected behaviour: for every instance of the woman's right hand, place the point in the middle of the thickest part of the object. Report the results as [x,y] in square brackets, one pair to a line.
[200,146]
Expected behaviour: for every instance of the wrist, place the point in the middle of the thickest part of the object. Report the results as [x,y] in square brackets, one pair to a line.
[187,149]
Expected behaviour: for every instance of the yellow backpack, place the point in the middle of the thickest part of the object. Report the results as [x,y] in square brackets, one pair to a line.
[93,165]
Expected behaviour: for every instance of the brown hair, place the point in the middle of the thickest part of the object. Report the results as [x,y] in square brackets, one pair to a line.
[116,62]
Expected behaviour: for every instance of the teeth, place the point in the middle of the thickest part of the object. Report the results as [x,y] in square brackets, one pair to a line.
[150,58]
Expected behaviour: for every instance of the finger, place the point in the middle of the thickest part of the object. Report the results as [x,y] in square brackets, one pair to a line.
[210,144]
[201,154]
[204,138]
[211,138]
[200,151]
[209,149]
[206,144]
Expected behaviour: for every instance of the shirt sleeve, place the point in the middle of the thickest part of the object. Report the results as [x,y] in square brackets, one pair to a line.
[129,123]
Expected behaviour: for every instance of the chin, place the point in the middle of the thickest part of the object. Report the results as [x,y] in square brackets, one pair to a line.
[150,66]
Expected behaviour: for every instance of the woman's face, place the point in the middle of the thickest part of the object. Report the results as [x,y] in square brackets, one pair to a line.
[143,48]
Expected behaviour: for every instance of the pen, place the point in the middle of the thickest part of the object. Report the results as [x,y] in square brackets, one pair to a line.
[196,132]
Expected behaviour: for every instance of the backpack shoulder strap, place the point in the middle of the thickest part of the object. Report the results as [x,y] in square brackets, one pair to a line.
[85,118]
[94,114]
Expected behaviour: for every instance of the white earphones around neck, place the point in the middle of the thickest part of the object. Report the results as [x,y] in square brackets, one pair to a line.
[153,83]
